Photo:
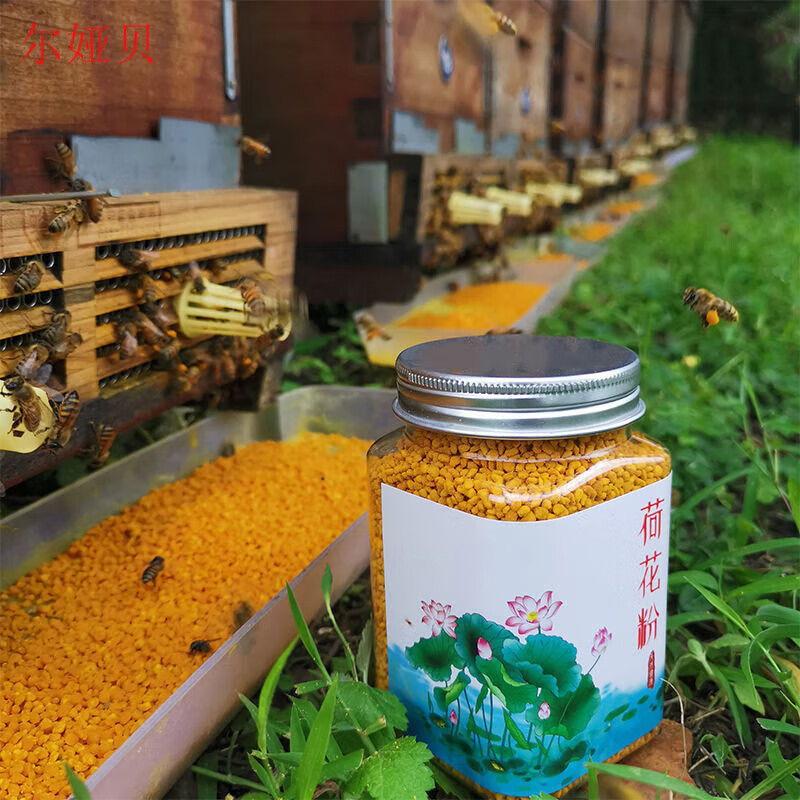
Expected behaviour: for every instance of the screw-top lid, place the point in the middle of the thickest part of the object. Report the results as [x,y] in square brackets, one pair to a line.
[518,386]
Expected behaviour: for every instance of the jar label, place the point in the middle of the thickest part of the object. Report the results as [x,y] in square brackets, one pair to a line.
[523,650]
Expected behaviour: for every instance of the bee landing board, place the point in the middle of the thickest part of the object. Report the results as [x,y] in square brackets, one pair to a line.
[231,234]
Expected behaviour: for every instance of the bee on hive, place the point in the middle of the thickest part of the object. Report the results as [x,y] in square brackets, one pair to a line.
[242,613]
[148,290]
[104,438]
[253,296]
[167,351]
[126,338]
[217,266]
[93,206]
[709,307]
[29,276]
[66,216]
[366,322]
[29,405]
[196,277]
[152,569]
[63,167]
[152,334]
[138,260]
[157,314]
[252,147]
[66,416]
[33,359]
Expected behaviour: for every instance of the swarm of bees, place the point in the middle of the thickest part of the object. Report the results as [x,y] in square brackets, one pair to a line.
[709,307]
[73,212]
[252,147]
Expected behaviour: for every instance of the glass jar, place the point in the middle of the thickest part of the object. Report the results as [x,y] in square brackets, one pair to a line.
[519,542]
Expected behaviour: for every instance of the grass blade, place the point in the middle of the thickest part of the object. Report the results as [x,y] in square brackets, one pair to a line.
[76,784]
[234,780]
[305,634]
[206,785]
[777,726]
[787,583]
[364,652]
[759,790]
[310,768]
[651,778]
[720,605]
[268,692]
[327,584]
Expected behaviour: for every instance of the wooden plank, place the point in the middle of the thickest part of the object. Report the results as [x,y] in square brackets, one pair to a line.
[15,323]
[418,83]
[42,102]
[583,19]
[578,91]
[657,93]
[111,268]
[620,99]
[397,196]
[661,37]
[520,65]
[626,28]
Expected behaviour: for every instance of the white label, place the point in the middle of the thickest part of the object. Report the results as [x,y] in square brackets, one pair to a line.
[523,650]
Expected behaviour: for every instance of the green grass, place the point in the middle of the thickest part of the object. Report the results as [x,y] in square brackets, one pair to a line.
[726,402]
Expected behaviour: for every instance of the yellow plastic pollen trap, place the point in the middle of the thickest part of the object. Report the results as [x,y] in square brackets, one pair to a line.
[468,209]
[635,166]
[516,204]
[220,311]
[553,193]
[598,177]
[29,440]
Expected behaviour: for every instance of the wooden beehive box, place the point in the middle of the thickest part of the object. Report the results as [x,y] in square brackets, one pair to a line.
[253,229]
[520,76]
[658,63]
[624,50]
[682,60]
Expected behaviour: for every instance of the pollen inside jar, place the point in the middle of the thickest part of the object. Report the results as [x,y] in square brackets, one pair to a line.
[519,538]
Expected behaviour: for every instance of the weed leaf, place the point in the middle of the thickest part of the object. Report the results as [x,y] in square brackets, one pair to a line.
[399,770]
[316,746]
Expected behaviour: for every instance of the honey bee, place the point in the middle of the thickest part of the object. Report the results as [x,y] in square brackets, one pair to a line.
[483,19]
[726,229]
[709,307]
[152,334]
[252,147]
[93,206]
[139,260]
[157,314]
[56,329]
[66,417]
[152,569]
[201,646]
[33,359]
[148,290]
[242,613]
[453,286]
[63,167]
[557,127]
[68,215]
[62,348]
[104,436]
[126,337]
[196,277]
[253,296]
[167,351]
[503,332]
[29,405]
[371,328]
[29,276]
[217,266]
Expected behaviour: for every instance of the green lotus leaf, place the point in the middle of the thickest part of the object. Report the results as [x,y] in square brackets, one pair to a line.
[472,627]
[514,696]
[547,662]
[569,713]
[436,656]
[565,758]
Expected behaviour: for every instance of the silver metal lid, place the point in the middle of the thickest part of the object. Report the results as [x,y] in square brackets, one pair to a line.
[518,386]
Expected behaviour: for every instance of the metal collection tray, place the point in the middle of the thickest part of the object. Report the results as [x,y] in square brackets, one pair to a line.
[156,754]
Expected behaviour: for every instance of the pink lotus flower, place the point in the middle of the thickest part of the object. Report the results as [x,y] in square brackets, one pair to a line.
[531,615]
[601,640]
[438,616]
[454,717]
[544,710]
[484,649]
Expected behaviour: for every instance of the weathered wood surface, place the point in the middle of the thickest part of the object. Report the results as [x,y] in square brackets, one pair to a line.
[45,102]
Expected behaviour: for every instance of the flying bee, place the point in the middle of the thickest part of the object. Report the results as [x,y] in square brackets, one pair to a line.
[196,277]
[557,127]
[709,307]
[126,338]
[104,436]
[66,417]
[63,167]
[371,328]
[148,290]
[252,147]
[93,206]
[152,569]
[242,613]
[68,215]
[29,276]
[253,296]
[484,20]
[33,359]
[29,404]
[138,260]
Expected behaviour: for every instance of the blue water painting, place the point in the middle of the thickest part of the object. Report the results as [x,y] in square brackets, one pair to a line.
[520,748]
